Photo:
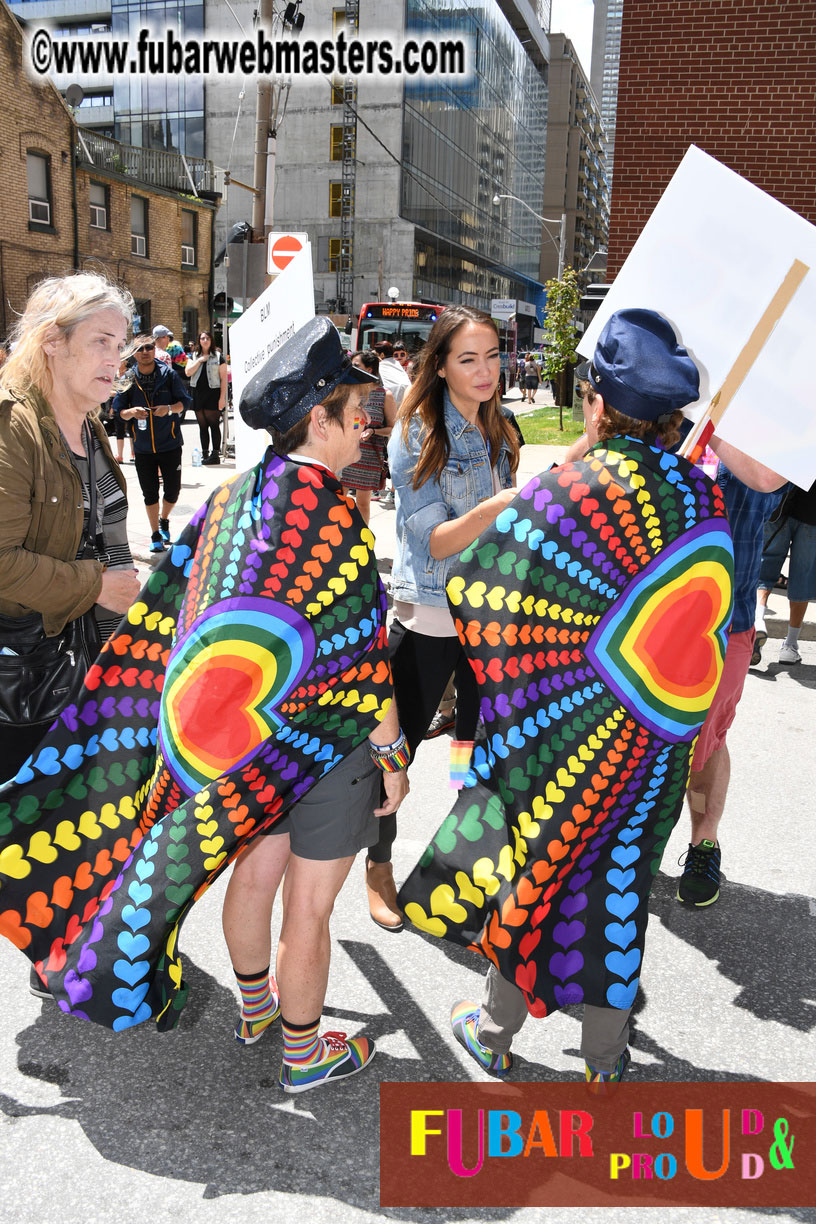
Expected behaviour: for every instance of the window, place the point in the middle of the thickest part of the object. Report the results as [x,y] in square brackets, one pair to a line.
[337,93]
[335,199]
[39,189]
[138,226]
[141,317]
[189,325]
[99,206]
[337,142]
[334,254]
[188,238]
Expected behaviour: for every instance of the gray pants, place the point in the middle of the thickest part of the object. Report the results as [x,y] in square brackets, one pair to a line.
[604,1033]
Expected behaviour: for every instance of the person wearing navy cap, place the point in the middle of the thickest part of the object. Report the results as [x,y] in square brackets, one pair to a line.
[594,614]
[309,396]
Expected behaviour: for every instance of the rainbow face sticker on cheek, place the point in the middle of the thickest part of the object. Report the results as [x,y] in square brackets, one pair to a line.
[359,422]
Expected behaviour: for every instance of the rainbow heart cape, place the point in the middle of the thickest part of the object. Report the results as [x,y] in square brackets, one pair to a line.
[253,661]
[594,613]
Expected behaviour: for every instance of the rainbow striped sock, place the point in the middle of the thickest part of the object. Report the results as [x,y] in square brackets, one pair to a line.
[260,1004]
[301,1043]
[460,754]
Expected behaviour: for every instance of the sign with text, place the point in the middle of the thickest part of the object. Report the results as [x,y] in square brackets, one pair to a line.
[711,258]
[283,308]
[733,1144]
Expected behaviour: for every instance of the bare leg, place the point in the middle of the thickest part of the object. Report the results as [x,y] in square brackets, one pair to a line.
[304,947]
[153,516]
[247,915]
[797,613]
[364,503]
[706,794]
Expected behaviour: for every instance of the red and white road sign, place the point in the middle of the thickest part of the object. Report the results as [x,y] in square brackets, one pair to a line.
[282,250]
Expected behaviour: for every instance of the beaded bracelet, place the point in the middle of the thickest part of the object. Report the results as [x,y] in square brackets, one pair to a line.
[391,758]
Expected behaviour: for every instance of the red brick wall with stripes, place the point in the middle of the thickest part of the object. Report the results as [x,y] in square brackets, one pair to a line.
[737,78]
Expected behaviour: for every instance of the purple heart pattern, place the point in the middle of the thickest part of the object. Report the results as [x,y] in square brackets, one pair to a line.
[594,614]
[252,662]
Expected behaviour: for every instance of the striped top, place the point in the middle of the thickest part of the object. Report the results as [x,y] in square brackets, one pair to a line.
[112,508]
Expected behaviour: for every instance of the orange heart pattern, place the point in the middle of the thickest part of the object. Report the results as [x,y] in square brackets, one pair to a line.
[594,615]
[253,661]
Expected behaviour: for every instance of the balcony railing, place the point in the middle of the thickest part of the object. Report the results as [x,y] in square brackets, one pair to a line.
[156,167]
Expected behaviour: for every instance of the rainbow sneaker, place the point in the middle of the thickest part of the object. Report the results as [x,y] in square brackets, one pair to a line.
[464,1023]
[342,1057]
[247,1032]
[600,1078]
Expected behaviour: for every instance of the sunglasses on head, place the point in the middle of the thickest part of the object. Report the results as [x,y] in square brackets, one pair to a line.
[146,348]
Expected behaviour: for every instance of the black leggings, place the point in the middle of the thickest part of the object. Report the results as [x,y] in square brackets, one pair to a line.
[422,666]
[150,466]
[209,422]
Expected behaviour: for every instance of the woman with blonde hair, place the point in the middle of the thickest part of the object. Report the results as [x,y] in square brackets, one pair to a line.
[453,458]
[66,573]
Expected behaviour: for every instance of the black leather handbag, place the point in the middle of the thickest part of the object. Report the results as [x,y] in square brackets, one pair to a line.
[39,675]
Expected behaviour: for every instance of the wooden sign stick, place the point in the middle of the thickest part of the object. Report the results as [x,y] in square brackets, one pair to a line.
[697,440]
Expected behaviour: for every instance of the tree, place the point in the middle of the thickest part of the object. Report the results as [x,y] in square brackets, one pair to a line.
[560,333]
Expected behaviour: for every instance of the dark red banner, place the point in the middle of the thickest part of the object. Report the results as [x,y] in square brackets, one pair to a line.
[733,1144]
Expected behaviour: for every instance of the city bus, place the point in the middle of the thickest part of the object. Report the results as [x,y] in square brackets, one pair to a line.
[409,322]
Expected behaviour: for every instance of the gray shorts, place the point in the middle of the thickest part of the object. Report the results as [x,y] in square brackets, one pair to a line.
[335,819]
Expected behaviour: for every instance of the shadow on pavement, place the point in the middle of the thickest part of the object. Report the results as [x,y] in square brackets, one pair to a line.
[192,1105]
[762,941]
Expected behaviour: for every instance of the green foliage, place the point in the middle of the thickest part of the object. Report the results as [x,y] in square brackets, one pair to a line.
[560,334]
[546,427]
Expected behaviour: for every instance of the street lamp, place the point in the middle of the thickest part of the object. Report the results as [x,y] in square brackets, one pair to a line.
[561,245]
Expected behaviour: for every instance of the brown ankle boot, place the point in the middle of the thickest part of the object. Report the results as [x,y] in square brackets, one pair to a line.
[382,896]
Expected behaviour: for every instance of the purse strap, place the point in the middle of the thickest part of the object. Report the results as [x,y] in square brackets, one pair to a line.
[93,537]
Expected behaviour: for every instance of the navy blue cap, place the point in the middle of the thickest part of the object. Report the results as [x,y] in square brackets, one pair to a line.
[640,369]
[298,376]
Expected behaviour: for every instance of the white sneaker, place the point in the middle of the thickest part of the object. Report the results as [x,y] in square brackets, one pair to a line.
[789,654]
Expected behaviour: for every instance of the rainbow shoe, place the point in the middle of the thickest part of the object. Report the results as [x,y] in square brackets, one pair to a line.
[247,1032]
[342,1057]
[464,1023]
[601,1078]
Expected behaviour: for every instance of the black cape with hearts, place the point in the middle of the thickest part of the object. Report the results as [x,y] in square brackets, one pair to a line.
[594,613]
[252,662]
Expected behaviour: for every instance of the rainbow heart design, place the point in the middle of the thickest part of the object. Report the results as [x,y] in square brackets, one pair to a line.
[225,678]
[634,647]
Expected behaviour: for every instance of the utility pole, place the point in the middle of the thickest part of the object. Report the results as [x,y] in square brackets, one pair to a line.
[265,142]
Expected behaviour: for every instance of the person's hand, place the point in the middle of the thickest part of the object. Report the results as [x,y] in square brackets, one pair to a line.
[130,414]
[396,788]
[162,410]
[503,498]
[119,589]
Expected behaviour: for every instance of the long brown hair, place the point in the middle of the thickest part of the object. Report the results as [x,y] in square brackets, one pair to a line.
[425,399]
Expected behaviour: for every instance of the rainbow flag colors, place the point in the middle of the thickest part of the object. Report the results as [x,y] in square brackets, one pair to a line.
[594,613]
[252,662]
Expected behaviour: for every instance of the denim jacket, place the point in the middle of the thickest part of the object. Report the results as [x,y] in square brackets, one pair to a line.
[465,481]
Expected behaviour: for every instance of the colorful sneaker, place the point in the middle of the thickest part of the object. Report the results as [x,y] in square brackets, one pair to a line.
[789,654]
[594,1076]
[464,1023]
[441,723]
[164,530]
[157,542]
[700,882]
[247,1032]
[37,986]
[342,1057]
[760,638]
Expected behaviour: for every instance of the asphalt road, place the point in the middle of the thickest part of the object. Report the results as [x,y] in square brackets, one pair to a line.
[97,1128]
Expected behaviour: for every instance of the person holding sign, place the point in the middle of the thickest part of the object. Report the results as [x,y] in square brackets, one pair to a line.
[594,613]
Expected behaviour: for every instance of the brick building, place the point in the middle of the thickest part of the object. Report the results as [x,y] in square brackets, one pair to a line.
[737,78]
[75,200]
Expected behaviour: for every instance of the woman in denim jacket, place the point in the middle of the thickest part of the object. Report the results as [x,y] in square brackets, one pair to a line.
[453,456]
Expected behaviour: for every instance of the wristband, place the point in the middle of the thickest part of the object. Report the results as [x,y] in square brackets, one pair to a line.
[393,757]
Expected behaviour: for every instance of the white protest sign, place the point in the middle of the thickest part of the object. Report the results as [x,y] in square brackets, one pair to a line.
[281,310]
[711,258]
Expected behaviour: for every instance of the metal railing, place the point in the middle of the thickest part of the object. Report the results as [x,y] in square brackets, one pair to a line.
[156,167]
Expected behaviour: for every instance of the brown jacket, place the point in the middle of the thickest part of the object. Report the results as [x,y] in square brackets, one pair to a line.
[41,516]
